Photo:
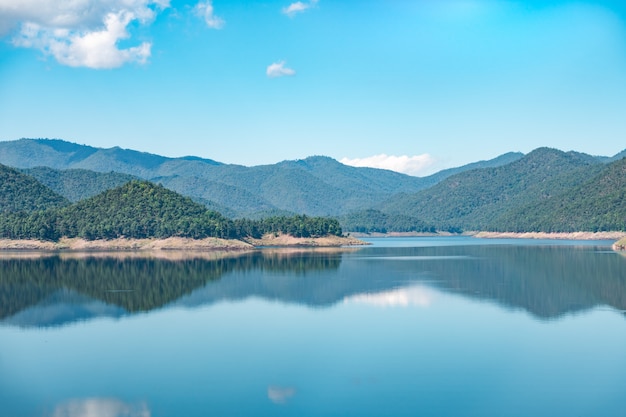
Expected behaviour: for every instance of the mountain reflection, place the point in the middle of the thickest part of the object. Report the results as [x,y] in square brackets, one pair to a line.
[547,281]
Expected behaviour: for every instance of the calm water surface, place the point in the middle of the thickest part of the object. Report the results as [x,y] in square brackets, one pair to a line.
[406,327]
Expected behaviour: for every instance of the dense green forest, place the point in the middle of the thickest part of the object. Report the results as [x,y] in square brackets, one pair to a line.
[20,192]
[141,209]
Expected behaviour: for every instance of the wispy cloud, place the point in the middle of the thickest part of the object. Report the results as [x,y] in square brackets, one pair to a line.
[205,10]
[278,69]
[80,33]
[411,165]
[298,7]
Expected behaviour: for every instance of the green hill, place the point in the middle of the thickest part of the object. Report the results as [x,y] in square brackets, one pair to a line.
[140,209]
[78,184]
[598,204]
[20,192]
[475,199]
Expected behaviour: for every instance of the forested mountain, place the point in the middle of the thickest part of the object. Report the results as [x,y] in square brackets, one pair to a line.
[598,204]
[20,192]
[475,199]
[313,186]
[78,184]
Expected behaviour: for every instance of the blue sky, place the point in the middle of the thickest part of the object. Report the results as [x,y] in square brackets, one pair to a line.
[414,86]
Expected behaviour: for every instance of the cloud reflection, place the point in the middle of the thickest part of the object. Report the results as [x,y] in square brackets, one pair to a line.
[280,395]
[401,297]
[100,407]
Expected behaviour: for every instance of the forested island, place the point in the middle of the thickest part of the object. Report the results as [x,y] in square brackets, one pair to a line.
[137,210]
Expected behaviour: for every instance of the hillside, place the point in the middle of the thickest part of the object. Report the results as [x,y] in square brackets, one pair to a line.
[375,221]
[77,184]
[598,204]
[475,199]
[20,192]
[140,209]
[313,186]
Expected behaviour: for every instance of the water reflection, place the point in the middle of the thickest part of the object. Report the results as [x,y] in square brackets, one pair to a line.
[280,395]
[100,407]
[547,281]
[403,297]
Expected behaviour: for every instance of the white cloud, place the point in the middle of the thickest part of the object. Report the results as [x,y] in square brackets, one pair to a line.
[411,165]
[278,69]
[205,9]
[79,33]
[280,395]
[403,297]
[100,407]
[298,7]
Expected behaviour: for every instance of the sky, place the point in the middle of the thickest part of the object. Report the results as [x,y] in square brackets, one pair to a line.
[413,86]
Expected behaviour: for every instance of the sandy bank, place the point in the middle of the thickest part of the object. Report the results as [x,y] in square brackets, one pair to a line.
[290,241]
[620,245]
[173,244]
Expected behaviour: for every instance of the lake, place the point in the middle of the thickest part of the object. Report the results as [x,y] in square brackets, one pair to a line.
[405,327]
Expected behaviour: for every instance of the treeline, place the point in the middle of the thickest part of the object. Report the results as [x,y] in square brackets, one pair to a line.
[140,209]
[298,226]
[375,221]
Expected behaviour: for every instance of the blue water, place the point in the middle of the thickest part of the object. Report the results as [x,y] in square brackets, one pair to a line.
[409,327]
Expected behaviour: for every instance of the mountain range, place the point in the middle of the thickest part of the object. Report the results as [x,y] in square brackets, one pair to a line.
[539,191]
[314,186]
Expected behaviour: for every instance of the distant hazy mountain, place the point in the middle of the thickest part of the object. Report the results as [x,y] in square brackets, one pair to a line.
[474,199]
[59,154]
[20,192]
[313,186]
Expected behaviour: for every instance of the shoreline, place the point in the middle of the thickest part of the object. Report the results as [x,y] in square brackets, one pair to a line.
[173,244]
[503,235]
[556,236]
